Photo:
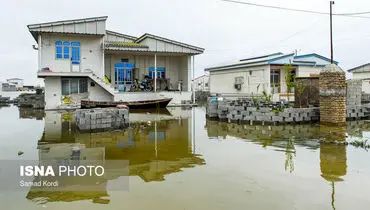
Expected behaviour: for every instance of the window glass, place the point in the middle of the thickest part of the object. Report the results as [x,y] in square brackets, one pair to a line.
[65,87]
[83,85]
[74,86]
[66,52]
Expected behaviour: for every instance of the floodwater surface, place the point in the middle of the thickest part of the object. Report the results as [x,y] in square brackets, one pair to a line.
[180,160]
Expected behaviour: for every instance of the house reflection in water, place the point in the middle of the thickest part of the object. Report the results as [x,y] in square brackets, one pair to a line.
[153,148]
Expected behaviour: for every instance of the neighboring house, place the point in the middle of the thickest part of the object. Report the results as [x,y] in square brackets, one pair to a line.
[80,59]
[362,73]
[6,87]
[202,83]
[16,81]
[265,73]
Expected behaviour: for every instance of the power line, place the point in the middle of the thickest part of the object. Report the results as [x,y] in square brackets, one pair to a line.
[298,10]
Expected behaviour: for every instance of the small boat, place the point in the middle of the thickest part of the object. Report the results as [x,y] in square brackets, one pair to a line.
[148,104]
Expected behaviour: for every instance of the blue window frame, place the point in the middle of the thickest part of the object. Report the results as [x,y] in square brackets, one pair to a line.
[123,73]
[76,57]
[161,72]
[58,50]
[66,46]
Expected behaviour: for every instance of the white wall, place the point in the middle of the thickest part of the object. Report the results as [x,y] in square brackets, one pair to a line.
[97,93]
[223,81]
[53,92]
[307,71]
[361,75]
[92,53]
[366,86]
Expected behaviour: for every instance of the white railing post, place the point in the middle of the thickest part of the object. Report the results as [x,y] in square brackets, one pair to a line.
[155,72]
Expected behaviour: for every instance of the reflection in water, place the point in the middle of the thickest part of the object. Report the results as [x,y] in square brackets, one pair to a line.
[333,164]
[333,157]
[29,113]
[154,149]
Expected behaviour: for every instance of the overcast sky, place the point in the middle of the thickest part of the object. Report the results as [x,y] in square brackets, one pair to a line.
[227,31]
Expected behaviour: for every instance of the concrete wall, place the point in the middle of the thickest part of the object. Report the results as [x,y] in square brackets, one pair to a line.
[53,92]
[307,71]
[176,67]
[54,97]
[223,81]
[91,53]
[97,93]
[365,77]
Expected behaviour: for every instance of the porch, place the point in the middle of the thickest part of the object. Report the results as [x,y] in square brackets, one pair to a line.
[147,72]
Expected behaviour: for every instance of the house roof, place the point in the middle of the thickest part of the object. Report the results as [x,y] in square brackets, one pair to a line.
[361,68]
[147,35]
[14,79]
[276,59]
[264,56]
[113,44]
[133,38]
[204,75]
[69,26]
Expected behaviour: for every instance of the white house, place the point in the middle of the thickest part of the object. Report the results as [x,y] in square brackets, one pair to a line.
[201,83]
[265,73]
[80,59]
[15,81]
[362,73]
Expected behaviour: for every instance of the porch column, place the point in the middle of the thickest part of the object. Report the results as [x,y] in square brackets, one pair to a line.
[155,72]
[39,51]
[193,84]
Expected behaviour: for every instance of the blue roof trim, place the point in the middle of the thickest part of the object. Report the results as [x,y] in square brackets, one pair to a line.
[264,56]
[281,57]
[315,55]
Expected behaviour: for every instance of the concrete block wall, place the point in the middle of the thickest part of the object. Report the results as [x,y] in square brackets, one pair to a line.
[354,92]
[102,119]
[244,111]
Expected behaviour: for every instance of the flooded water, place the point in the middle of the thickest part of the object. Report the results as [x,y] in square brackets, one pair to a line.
[179,160]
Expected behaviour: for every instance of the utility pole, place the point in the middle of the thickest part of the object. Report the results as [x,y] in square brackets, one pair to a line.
[331,32]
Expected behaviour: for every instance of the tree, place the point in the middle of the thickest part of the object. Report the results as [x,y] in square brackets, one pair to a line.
[300,87]
[289,79]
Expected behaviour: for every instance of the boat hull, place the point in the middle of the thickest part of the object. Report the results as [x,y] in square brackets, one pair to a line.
[149,104]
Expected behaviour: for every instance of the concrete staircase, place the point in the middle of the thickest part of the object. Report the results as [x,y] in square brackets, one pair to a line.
[100,81]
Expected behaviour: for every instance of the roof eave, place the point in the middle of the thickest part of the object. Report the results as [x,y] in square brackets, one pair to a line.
[147,35]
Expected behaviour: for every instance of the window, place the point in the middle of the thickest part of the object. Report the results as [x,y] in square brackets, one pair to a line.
[123,73]
[75,52]
[63,51]
[74,86]
[275,81]
[66,46]
[161,72]
[65,87]
[58,50]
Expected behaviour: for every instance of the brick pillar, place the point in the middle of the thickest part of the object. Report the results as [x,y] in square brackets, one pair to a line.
[332,87]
